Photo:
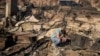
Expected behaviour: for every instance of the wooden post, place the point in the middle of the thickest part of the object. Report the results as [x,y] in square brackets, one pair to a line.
[8,8]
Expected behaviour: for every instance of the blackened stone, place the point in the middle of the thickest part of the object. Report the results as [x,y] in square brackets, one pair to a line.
[9,40]
[79,42]
[96,45]
[16,49]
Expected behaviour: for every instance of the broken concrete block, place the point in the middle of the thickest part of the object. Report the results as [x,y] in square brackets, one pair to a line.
[46,26]
[37,27]
[29,19]
[40,37]
[45,3]
[65,8]
[71,53]
[16,29]
[57,25]
[36,11]
[79,42]
[32,19]
[97,27]
[48,15]
[73,24]
[88,53]
[54,21]
[51,22]
[58,16]
[85,26]
[95,4]
[73,27]
[83,19]
[27,26]
[96,45]
[19,23]
[23,37]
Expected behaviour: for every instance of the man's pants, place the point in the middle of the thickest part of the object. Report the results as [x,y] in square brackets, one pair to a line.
[55,40]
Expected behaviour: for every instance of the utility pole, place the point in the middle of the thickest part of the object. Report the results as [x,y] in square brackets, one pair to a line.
[8,8]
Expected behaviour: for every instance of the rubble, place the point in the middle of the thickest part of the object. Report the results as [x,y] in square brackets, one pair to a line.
[2,42]
[36,11]
[49,14]
[72,53]
[32,19]
[30,36]
[17,47]
[45,3]
[96,4]
[88,53]
[95,46]
[80,42]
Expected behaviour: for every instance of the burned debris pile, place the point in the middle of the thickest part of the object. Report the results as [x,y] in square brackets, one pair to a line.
[28,32]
